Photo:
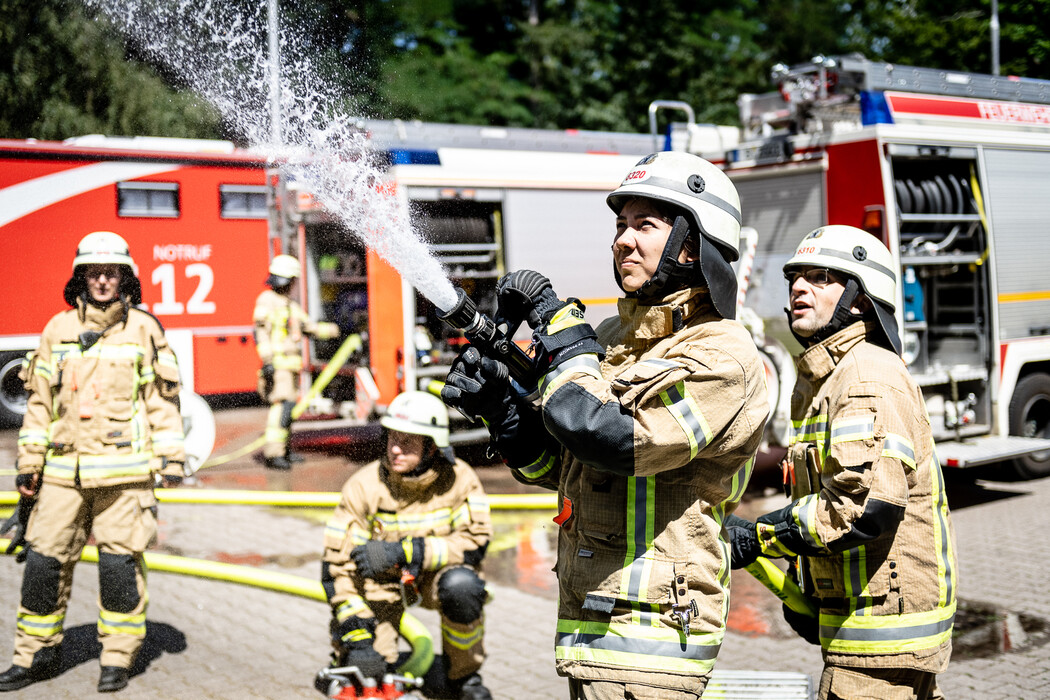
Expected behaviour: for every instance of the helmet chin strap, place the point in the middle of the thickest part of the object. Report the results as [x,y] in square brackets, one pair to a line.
[670,274]
[842,317]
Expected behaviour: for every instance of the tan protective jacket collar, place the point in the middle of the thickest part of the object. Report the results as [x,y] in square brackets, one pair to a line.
[818,361]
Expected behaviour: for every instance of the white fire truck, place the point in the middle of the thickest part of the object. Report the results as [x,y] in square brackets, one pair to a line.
[194,214]
[487,200]
[951,170]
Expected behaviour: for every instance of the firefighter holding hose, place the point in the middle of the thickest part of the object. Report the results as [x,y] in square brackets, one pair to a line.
[411,527]
[647,427]
[102,425]
[868,524]
[280,324]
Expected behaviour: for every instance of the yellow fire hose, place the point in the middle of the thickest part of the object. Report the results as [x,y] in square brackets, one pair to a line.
[769,575]
[309,499]
[348,347]
[417,635]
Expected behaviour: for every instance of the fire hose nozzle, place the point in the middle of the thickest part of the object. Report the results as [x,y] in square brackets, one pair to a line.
[483,332]
[464,315]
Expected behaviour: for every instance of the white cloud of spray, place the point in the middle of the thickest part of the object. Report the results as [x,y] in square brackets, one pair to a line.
[220,49]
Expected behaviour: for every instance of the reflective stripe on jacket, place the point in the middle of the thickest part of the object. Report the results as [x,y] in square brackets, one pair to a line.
[862,436]
[660,439]
[101,415]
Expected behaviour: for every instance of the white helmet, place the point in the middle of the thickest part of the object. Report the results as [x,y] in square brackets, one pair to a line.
[419,413]
[861,256]
[690,182]
[104,248]
[285,266]
[712,211]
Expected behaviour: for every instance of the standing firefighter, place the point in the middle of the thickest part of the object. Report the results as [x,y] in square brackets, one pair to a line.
[648,430]
[869,521]
[279,327]
[101,421]
[412,526]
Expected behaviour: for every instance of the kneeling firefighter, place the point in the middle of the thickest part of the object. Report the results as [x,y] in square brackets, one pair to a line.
[280,324]
[410,527]
[102,424]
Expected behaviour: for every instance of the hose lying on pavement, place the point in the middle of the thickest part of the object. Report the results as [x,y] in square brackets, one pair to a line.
[417,635]
[309,499]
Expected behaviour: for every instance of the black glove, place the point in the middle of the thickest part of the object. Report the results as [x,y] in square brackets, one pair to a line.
[18,520]
[805,626]
[267,372]
[478,386]
[526,295]
[379,561]
[354,636]
[743,541]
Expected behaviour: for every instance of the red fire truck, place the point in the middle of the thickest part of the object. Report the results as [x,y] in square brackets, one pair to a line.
[195,216]
[951,171]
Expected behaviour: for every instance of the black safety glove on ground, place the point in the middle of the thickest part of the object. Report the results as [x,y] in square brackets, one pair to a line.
[805,626]
[478,386]
[379,561]
[743,541]
[526,295]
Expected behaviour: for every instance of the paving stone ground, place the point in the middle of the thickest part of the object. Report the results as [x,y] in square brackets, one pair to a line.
[212,639]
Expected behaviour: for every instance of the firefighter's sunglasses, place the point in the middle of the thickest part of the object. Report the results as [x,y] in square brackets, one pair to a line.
[816,276]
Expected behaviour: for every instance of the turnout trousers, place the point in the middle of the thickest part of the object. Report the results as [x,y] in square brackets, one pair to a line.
[282,399]
[461,642]
[122,519]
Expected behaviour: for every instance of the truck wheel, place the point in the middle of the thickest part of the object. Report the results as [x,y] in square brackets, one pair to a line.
[12,391]
[1030,417]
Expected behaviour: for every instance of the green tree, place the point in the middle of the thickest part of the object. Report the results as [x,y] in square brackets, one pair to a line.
[61,75]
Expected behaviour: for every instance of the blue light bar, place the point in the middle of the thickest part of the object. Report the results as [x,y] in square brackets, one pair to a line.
[873,108]
[414,157]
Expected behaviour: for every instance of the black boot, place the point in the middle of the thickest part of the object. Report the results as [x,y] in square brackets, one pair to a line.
[45,665]
[473,689]
[112,679]
[294,457]
[280,463]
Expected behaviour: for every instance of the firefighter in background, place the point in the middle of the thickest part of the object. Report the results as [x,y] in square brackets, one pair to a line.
[648,429]
[410,527]
[869,521]
[102,423]
[280,324]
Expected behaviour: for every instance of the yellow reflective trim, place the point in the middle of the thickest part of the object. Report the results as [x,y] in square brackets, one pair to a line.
[133,625]
[351,607]
[633,646]
[336,528]
[538,468]
[436,549]
[681,405]
[407,523]
[884,634]
[853,429]
[900,448]
[41,625]
[462,640]
[567,316]
[804,514]
[812,429]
